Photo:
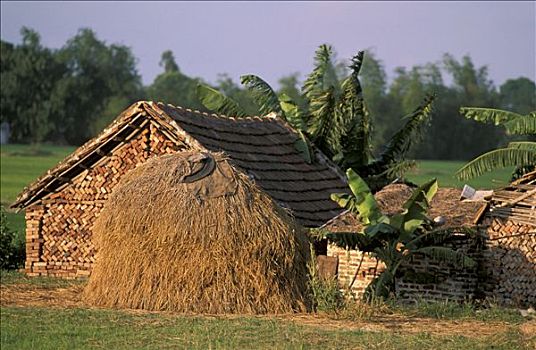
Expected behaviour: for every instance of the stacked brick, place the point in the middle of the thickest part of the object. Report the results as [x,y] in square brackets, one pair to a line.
[59,228]
[510,261]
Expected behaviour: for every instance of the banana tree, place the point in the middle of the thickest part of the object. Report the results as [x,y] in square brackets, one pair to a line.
[521,154]
[335,118]
[393,239]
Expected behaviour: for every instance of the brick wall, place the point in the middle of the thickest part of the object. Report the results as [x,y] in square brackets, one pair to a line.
[424,278]
[353,263]
[59,228]
[505,252]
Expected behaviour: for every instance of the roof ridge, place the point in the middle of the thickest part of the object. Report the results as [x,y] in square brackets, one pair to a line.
[216,115]
[270,116]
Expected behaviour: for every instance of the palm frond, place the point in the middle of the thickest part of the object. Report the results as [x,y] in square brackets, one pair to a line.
[321,130]
[402,140]
[522,125]
[362,202]
[415,208]
[263,95]
[527,145]
[447,255]
[323,74]
[438,236]
[218,102]
[395,170]
[499,158]
[302,145]
[292,112]
[356,137]
[488,115]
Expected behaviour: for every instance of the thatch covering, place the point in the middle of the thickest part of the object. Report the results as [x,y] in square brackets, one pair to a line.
[189,233]
[390,199]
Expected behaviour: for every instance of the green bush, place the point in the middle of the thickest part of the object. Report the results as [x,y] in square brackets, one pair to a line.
[11,248]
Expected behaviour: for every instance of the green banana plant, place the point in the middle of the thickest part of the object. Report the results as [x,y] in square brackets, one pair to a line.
[522,154]
[395,239]
[335,119]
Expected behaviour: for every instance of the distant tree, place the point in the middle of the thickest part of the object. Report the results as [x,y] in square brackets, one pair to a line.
[96,74]
[29,73]
[374,82]
[470,86]
[518,95]
[168,62]
[172,86]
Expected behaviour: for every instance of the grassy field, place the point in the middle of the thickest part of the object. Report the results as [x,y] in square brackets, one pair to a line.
[46,313]
[22,164]
[104,329]
[444,172]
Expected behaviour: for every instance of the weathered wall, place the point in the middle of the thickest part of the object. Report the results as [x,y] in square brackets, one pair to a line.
[505,252]
[354,263]
[58,232]
[424,278]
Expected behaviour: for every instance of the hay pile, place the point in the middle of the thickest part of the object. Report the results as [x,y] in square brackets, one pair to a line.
[189,233]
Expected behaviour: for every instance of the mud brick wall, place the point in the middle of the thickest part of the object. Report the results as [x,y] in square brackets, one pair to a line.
[59,228]
[509,260]
[354,263]
[425,278]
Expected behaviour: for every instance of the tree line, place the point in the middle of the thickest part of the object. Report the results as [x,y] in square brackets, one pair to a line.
[68,95]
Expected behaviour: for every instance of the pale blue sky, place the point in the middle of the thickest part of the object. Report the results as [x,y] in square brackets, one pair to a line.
[272,39]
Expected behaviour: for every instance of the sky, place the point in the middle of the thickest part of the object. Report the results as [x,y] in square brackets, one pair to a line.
[273,39]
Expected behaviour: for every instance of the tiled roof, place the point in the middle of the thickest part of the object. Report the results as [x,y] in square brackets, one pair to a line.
[261,147]
[264,149]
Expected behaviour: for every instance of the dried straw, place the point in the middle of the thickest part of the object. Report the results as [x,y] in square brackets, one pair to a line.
[216,245]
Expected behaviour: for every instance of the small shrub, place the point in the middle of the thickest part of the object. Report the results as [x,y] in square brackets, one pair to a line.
[11,248]
[325,293]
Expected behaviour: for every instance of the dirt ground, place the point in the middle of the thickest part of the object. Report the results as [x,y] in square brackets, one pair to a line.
[29,295]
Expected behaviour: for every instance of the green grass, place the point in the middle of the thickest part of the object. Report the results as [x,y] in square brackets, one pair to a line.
[444,172]
[22,164]
[10,277]
[43,328]
[449,310]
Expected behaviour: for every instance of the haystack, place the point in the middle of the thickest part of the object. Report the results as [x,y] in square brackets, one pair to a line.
[190,233]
